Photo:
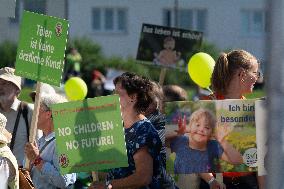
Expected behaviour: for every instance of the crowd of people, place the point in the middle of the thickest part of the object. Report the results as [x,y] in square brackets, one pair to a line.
[142,106]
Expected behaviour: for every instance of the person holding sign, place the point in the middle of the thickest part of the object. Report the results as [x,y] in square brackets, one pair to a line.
[18,114]
[234,75]
[43,156]
[142,140]
[197,152]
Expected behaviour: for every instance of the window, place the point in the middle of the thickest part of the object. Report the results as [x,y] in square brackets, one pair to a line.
[253,22]
[167,18]
[37,6]
[121,20]
[185,19]
[191,19]
[109,20]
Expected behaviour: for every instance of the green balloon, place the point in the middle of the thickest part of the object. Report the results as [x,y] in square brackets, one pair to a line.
[75,88]
[200,69]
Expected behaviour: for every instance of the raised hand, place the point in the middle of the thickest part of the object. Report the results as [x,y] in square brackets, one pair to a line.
[222,131]
[181,125]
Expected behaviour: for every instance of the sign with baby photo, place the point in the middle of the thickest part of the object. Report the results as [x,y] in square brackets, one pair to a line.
[89,135]
[41,48]
[211,136]
[167,46]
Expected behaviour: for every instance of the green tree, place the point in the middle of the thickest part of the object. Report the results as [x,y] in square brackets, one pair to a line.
[8,52]
[93,58]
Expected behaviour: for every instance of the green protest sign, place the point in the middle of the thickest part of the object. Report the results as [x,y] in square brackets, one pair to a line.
[89,135]
[41,48]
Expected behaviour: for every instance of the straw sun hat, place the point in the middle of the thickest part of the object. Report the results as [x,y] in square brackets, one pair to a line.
[8,74]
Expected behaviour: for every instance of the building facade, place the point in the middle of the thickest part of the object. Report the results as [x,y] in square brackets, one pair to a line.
[9,27]
[116,24]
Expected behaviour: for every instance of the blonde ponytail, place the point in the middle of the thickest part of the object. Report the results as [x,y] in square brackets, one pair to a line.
[226,67]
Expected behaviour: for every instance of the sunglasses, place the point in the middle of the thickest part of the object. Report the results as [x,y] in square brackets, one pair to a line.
[256,74]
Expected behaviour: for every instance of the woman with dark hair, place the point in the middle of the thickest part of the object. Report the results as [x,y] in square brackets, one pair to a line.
[158,120]
[142,140]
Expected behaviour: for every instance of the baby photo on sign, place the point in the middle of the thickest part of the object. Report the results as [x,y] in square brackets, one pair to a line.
[200,142]
[166,46]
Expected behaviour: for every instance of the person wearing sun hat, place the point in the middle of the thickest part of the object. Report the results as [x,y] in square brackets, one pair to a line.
[9,174]
[45,162]
[10,106]
[44,89]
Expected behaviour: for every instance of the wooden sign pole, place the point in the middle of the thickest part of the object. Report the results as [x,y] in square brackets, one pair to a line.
[162,76]
[33,126]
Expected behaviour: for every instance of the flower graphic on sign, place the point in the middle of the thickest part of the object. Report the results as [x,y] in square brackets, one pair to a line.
[58,29]
[63,160]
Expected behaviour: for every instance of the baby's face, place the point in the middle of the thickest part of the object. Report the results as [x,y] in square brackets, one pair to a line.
[201,130]
[170,45]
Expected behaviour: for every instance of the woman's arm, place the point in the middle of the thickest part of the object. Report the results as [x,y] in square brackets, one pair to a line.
[261,181]
[141,177]
[143,173]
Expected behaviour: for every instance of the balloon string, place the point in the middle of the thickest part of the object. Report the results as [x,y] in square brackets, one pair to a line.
[209,90]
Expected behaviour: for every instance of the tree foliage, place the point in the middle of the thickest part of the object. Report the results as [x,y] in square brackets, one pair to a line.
[8,51]
[93,58]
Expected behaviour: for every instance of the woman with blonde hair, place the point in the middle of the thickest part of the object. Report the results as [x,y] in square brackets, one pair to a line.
[235,75]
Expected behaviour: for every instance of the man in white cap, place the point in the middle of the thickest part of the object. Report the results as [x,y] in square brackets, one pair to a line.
[44,89]
[16,112]
[9,175]
[43,156]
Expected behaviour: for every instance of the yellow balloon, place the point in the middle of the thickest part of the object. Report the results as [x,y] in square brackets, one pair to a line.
[200,69]
[75,88]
